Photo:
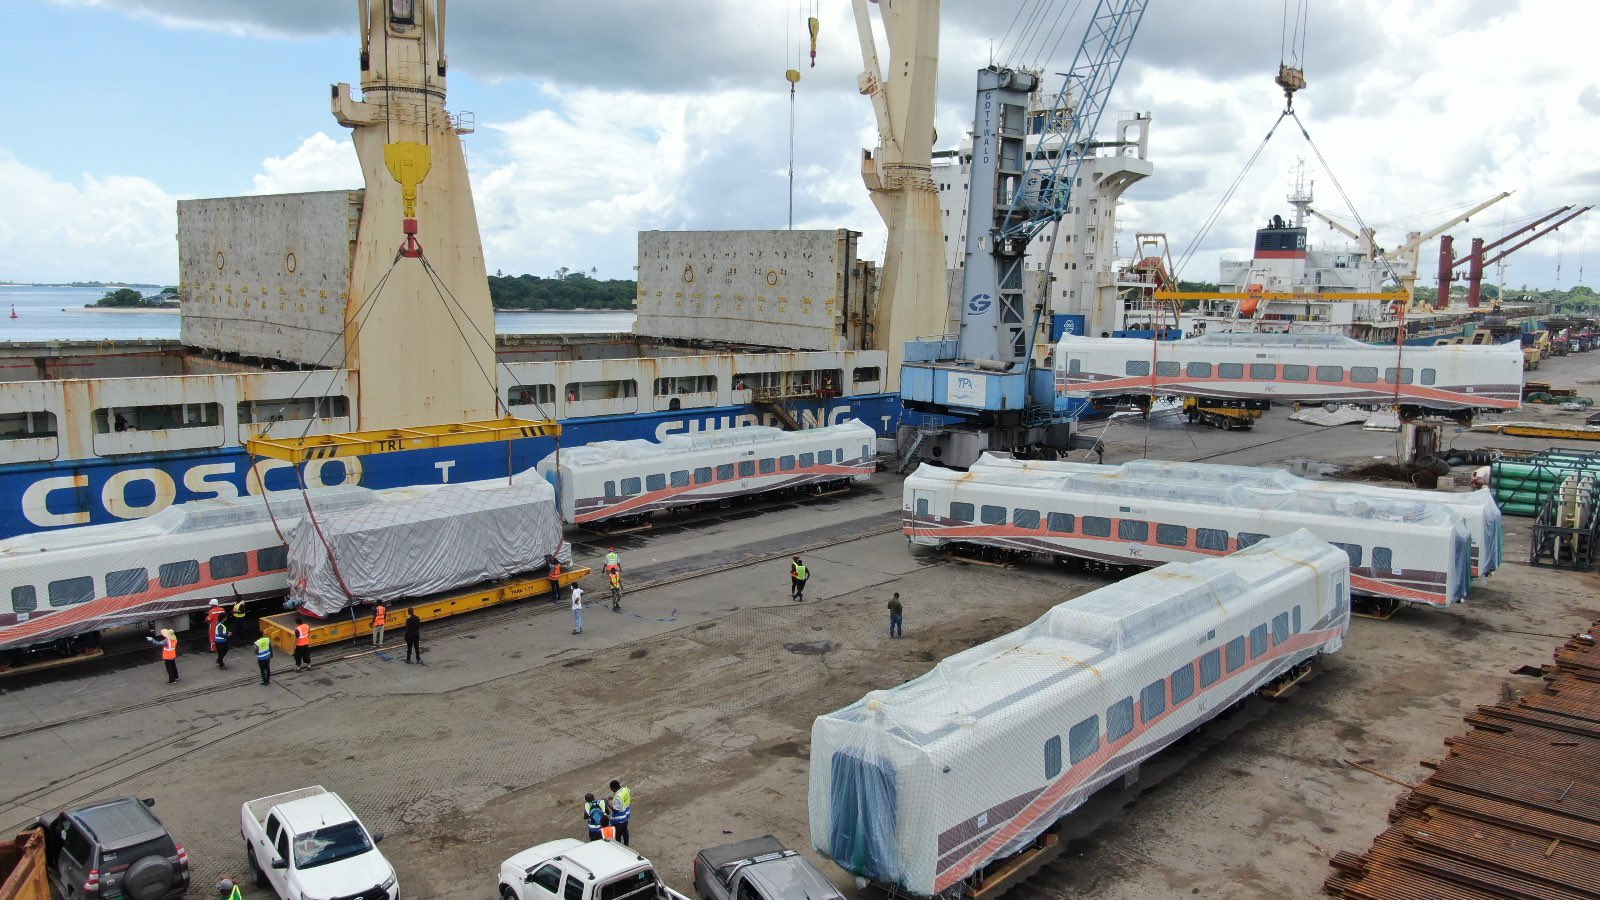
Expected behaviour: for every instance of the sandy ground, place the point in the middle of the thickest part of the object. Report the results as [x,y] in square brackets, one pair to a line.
[702,693]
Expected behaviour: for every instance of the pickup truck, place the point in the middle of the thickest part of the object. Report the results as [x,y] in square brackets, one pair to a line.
[759,869]
[308,845]
[570,869]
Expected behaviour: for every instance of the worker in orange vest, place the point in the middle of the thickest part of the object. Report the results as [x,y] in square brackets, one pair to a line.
[302,644]
[168,642]
[213,616]
[555,577]
[379,614]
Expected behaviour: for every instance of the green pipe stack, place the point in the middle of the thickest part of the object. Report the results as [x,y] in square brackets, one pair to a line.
[1521,486]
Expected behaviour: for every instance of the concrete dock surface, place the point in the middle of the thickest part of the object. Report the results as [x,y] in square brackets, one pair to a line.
[700,696]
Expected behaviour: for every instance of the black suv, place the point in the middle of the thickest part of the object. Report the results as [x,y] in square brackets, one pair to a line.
[114,848]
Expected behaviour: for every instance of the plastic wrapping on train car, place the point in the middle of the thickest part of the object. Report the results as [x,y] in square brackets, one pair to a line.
[919,786]
[452,537]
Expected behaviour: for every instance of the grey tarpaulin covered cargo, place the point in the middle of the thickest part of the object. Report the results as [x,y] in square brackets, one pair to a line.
[422,543]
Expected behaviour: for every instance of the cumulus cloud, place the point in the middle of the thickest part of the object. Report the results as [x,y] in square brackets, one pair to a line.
[320,163]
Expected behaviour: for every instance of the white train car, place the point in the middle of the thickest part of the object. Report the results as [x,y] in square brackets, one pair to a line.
[1456,379]
[1398,550]
[617,481]
[1485,524]
[922,786]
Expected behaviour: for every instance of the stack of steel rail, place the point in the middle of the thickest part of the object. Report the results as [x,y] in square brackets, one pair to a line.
[1513,810]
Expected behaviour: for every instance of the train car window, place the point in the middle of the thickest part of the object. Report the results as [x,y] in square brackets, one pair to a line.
[1062,523]
[866,453]
[1168,368]
[1429,376]
[1131,530]
[1052,758]
[961,512]
[1364,374]
[1182,684]
[747,468]
[1230,370]
[24,598]
[611,490]
[1025,518]
[767,466]
[1119,719]
[1096,526]
[702,475]
[1074,367]
[1297,618]
[1248,539]
[1263,371]
[1198,370]
[630,487]
[922,506]
[1280,628]
[1137,367]
[1083,740]
[1383,559]
[1258,641]
[1296,373]
[68,591]
[680,478]
[992,515]
[1235,653]
[1210,668]
[807,460]
[1172,535]
[657,482]
[1405,375]
[1330,374]
[724,471]
[178,574]
[786,463]
[838,456]
[1152,701]
[123,582]
[825,457]
[272,559]
[1351,550]
[228,565]
[1211,539]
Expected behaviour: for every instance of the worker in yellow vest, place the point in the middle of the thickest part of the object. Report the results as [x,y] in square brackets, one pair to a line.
[264,658]
[379,614]
[302,644]
[798,574]
[168,642]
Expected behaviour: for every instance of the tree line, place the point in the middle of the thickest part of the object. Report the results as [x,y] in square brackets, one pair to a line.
[565,289]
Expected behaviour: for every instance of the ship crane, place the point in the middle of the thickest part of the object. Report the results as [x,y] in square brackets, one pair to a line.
[1477,259]
[1403,258]
[985,379]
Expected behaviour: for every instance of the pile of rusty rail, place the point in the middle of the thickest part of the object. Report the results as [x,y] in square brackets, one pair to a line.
[1513,810]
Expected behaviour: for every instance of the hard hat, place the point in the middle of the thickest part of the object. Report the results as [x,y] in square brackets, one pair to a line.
[225,886]
[213,601]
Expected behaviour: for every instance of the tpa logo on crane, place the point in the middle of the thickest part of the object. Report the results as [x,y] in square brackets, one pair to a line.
[979,304]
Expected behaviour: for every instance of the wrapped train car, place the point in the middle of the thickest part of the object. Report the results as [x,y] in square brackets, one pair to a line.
[1398,550]
[1294,369]
[620,482]
[1478,510]
[922,786]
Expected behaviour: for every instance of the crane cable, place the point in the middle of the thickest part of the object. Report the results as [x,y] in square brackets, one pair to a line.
[1216,212]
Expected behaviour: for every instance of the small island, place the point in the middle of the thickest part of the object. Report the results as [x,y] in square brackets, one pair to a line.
[128,298]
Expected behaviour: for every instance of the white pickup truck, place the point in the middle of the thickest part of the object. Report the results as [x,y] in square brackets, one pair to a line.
[308,845]
[570,869]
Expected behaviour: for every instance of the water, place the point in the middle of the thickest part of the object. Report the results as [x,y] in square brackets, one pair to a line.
[58,314]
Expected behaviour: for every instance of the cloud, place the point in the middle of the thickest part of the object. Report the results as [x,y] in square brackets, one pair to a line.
[320,163]
[1589,100]
[281,18]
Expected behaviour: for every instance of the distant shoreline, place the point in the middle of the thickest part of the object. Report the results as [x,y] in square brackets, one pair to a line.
[168,310]
[564,311]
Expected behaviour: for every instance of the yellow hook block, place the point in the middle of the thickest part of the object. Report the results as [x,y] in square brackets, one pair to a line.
[408,162]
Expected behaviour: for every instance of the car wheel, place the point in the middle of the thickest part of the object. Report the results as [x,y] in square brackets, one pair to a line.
[507,893]
[149,878]
[256,875]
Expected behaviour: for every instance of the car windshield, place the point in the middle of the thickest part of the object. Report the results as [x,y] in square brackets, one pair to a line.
[330,844]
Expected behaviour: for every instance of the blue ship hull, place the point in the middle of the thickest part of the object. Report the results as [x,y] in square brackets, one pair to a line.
[66,493]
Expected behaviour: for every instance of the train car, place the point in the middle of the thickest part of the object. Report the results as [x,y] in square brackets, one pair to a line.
[623,482]
[1478,510]
[1399,550]
[1449,380]
[930,788]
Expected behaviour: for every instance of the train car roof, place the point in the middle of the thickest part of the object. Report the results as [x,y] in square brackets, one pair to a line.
[606,452]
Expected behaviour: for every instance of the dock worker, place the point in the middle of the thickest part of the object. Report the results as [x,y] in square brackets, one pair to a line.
[613,561]
[264,658]
[621,809]
[168,642]
[302,644]
[380,614]
[213,616]
[227,890]
[614,578]
[896,617]
[577,610]
[554,574]
[798,574]
[594,816]
[413,635]
[238,609]
[219,642]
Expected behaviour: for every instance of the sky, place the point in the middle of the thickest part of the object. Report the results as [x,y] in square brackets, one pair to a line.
[599,120]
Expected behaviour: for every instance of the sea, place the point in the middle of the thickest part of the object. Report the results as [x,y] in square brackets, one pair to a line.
[59,314]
